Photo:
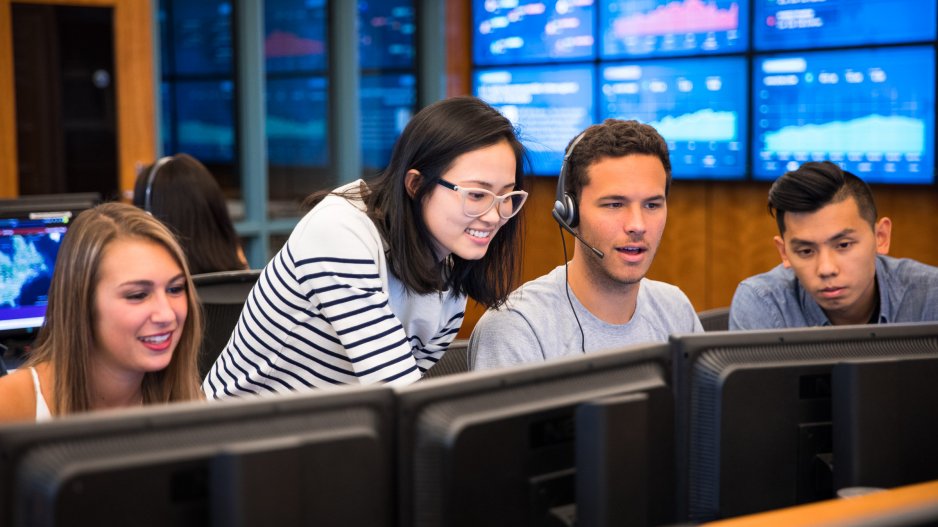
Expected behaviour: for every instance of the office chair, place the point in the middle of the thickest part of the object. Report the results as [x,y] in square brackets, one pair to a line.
[716,319]
[222,296]
[455,360]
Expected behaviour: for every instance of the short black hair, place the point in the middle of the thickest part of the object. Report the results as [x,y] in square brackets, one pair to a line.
[815,185]
[611,139]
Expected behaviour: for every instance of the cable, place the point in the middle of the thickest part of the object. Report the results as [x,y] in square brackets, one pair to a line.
[566,281]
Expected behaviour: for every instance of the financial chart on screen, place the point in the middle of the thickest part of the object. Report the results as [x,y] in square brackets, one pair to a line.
[387,104]
[697,105]
[386,33]
[527,31]
[202,37]
[549,105]
[296,121]
[646,28]
[872,111]
[28,248]
[790,24]
[205,119]
[295,35]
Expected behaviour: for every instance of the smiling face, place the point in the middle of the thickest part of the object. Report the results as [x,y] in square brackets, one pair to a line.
[623,210]
[140,307]
[491,168]
[833,253]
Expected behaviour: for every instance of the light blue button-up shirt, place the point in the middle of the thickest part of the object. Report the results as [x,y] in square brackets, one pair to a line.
[908,292]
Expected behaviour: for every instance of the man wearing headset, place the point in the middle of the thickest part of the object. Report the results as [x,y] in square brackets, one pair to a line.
[612,196]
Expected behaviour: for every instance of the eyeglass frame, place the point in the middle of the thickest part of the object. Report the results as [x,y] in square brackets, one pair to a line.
[496,199]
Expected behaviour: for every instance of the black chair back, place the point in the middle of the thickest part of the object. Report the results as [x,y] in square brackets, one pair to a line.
[716,319]
[222,295]
[455,360]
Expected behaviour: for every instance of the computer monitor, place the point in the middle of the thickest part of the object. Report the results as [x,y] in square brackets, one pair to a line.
[31,232]
[318,458]
[871,111]
[885,415]
[540,444]
[549,105]
[698,105]
[754,414]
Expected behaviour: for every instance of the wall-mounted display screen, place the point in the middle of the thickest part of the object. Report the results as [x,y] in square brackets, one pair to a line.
[530,31]
[202,38]
[204,115]
[296,121]
[295,35]
[872,111]
[386,33]
[791,24]
[549,105]
[653,28]
[697,105]
[387,104]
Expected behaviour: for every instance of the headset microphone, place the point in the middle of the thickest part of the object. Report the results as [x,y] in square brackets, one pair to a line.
[569,229]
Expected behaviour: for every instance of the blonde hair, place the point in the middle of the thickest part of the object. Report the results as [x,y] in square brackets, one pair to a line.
[66,339]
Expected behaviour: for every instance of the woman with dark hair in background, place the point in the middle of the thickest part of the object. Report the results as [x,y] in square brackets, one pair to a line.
[371,286]
[123,326]
[179,191]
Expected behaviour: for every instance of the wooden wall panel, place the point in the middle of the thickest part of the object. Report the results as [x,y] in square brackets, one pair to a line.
[9,184]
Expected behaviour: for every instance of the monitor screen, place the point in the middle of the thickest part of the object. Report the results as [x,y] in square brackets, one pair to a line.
[387,104]
[531,445]
[29,244]
[871,111]
[202,37]
[656,28]
[386,33]
[319,458]
[297,121]
[697,105]
[823,23]
[295,35]
[530,31]
[754,412]
[549,106]
[204,119]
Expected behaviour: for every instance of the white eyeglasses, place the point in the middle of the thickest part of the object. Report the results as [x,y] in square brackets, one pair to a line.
[477,201]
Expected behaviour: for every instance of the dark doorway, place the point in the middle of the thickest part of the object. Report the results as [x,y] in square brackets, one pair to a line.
[65,99]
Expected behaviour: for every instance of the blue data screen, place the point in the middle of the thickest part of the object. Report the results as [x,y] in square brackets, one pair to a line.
[697,105]
[526,31]
[204,120]
[870,111]
[790,24]
[549,105]
[295,35]
[387,33]
[202,37]
[296,121]
[387,104]
[654,28]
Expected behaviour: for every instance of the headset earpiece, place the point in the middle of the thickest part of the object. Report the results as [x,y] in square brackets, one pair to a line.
[565,209]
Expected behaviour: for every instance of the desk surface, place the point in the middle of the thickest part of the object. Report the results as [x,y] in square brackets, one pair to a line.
[899,506]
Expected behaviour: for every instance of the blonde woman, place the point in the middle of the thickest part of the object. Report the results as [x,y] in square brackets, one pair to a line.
[123,325]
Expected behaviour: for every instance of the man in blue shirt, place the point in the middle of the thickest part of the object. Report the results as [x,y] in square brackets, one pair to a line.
[834,266]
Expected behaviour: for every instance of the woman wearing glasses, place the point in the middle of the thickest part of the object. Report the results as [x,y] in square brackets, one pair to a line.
[372,284]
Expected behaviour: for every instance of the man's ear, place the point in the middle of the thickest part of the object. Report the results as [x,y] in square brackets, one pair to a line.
[883,232]
[780,245]
[412,182]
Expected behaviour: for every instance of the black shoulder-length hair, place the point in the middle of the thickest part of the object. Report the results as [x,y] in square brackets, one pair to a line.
[185,197]
[429,144]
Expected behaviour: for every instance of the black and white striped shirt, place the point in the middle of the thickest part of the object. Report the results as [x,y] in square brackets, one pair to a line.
[327,311]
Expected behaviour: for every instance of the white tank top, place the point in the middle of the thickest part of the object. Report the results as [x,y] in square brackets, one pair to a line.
[42,409]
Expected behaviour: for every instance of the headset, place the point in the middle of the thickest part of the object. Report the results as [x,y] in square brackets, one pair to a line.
[151,176]
[565,209]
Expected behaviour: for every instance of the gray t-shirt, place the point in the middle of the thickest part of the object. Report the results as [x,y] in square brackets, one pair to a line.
[537,324]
